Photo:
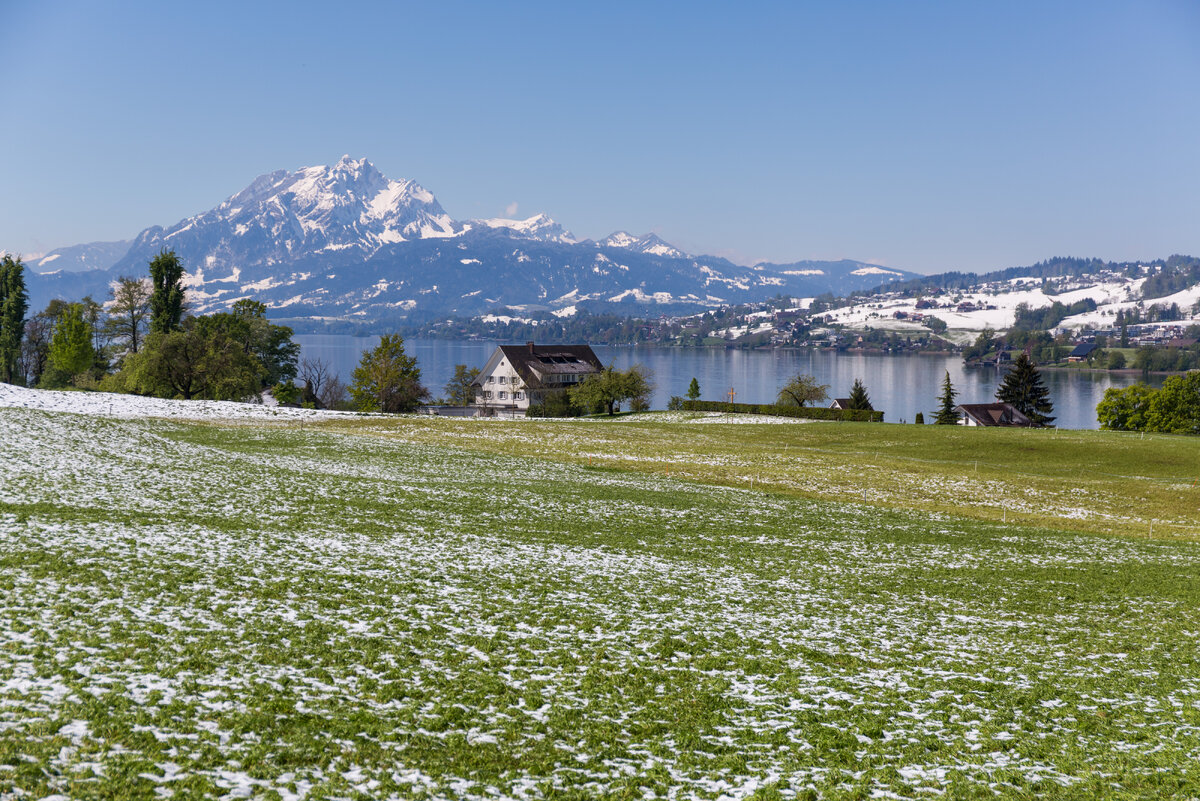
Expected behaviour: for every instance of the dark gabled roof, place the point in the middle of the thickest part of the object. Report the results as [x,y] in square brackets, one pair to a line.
[1082,350]
[840,403]
[994,414]
[532,362]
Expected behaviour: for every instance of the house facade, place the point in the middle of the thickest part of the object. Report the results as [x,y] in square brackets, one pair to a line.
[516,375]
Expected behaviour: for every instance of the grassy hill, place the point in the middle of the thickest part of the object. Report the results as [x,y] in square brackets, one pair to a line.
[377,607]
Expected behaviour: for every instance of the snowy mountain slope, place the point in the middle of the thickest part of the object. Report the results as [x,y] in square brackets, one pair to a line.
[539,227]
[647,243]
[80,258]
[346,242]
[282,216]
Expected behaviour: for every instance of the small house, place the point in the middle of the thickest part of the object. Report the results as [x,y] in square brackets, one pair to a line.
[840,403]
[1081,352]
[516,375]
[991,414]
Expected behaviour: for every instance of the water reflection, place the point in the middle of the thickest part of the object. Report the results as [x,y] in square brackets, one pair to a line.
[900,385]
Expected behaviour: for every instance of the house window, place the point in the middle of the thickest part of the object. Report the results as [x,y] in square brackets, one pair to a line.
[491,379]
[501,394]
[502,379]
[519,396]
[487,395]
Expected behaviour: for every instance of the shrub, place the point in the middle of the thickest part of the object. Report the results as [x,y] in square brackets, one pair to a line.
[804,412]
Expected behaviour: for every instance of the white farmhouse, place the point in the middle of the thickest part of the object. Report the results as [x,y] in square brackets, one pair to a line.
[518,374]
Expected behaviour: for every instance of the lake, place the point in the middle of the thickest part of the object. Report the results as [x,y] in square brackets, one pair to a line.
[899,385]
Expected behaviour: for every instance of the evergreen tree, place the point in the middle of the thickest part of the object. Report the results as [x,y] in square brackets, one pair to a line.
[693,390]
[859,398]
[1023,388]
[14,302]
[919,419]
[166,299]
[71,351]
[945,415]
[387,379]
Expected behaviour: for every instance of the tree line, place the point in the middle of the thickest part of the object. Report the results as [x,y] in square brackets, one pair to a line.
[1174,409]
[143,341]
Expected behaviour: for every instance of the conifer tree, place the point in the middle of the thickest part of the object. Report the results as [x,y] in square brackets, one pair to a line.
[859,398]
[693,390]
[14,302]
[166,299]
[1023,388]
[945,415]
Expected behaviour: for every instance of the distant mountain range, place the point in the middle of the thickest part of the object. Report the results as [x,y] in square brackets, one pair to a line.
[345,243]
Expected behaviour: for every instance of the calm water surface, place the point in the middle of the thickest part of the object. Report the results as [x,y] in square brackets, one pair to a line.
[899,385]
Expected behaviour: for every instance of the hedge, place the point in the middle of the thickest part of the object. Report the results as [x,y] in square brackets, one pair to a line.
[806,412]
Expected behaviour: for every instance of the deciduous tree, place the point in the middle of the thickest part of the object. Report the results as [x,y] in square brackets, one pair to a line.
[1175,409]
[314,374]
[129,311]
[801,391]
[270,345]
[458,389]
[35,350]
[387,379]
[608,388]
[198,361]
[1125,409]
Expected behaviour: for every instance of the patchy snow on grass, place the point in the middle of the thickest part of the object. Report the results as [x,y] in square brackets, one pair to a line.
[254,610]
[107,404]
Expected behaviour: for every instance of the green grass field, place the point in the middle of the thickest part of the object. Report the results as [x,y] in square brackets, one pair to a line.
[408,608]
[1107,482]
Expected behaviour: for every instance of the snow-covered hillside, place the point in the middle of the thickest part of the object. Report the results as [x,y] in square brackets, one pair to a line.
[994,305]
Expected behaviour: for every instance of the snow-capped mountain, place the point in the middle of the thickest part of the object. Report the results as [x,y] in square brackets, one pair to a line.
[647,243]
[345,242]
[80,258]
[539,227]
[284,215]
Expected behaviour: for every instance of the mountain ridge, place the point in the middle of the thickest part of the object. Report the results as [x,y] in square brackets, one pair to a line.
[344,241]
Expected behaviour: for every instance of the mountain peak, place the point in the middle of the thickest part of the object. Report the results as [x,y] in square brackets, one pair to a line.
[646,243]
[540,226]
[347,206]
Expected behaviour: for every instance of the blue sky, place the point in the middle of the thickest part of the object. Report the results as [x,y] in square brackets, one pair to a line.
[930,136]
